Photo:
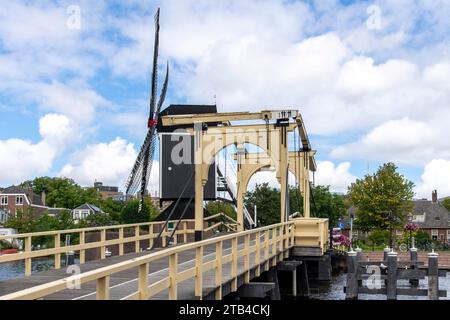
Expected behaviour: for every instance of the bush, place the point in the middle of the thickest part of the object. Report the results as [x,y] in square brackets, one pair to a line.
[5,245]
[130,214]
[379,237]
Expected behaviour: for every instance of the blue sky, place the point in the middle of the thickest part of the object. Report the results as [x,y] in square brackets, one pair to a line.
[371,79]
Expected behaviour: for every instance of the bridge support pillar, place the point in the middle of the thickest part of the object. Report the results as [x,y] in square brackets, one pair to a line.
[272,276]
[290,266]
[302,280]
[324,268]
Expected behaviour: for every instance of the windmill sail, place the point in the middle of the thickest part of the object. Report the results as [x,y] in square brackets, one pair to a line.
[142,167]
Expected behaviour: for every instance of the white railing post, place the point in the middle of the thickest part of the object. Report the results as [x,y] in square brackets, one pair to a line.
[173,270]
[218,275]
[199,272]
[57,245]
[27,250]
[82,236]
[234,262]
[258,253]
[143,281]
[137,243]
[103,288]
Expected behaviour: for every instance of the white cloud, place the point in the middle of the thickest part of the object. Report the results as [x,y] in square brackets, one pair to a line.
[337,177]
[403,141]
[22,159]
[107,162]
[436,176]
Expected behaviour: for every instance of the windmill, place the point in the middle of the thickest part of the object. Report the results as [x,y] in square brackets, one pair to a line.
[140,174]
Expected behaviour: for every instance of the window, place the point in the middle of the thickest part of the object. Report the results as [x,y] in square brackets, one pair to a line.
[76,215]
[84,214]
[19,200]
[448,235]
[419,217]
[4,200]
[170,226]
[434,234]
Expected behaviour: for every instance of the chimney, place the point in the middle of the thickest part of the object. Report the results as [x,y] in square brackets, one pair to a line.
[43,197]
[434,198]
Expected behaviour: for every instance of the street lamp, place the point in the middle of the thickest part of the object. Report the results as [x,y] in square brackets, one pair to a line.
[410,220]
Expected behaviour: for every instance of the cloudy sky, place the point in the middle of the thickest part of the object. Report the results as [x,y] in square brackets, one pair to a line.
[371,78]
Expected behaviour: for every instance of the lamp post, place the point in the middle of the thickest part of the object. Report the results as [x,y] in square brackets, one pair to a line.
[410,220]
[352,216]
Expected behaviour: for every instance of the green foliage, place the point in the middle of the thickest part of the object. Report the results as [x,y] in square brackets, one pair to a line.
[5,245]
[267,201]
[130,214]
[24,221]
[62,192]
[379,237]
[113,208]
[97,220]
[446,203]
[383,199]
[422,238]
[215,207]
[327,204]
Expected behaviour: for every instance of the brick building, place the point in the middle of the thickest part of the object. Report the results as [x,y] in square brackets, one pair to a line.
[13,199]
[433,218]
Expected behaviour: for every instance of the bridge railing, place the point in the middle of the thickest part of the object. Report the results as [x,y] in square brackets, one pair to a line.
[142,235]
[312,233]
[277,240]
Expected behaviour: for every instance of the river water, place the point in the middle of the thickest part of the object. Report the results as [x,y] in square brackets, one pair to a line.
[335,291]
[16,269]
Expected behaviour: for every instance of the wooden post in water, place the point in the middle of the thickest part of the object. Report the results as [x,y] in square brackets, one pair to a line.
[414,259]
[351,291]
[433,276]
[391,288]
[359,257]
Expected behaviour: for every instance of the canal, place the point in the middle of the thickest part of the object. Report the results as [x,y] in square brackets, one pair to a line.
[334,289]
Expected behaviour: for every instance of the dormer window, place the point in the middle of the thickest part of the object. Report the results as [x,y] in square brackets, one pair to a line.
[419,217]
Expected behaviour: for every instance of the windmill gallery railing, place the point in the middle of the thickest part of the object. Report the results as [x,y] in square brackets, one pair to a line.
[258,248]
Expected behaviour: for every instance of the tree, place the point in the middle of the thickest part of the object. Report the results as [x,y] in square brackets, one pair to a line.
[327,204]
[130,212]
[24,221]
[267,201]
[62,192]
[215,207]
[446,203]
[383,199]
[378,237]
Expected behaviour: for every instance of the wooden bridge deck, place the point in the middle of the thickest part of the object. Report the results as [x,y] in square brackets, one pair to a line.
[126,282]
